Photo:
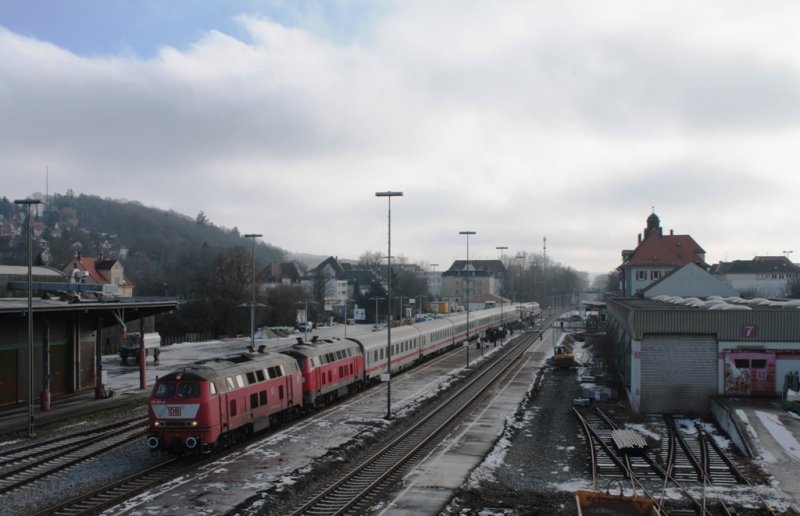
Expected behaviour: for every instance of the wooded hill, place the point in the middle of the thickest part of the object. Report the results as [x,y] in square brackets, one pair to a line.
[163,251]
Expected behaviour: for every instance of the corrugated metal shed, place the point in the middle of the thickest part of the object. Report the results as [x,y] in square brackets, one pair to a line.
[640,317]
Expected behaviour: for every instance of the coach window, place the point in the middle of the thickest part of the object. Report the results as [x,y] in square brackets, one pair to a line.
[262,398]
[260,375]
[272,373]
[251,377]
[281,371]
[253,400]
[229,383]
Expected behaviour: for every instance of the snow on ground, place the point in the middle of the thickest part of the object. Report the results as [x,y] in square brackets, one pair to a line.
[782,436]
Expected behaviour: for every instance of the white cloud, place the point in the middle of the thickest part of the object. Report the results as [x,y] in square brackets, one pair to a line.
[567,120]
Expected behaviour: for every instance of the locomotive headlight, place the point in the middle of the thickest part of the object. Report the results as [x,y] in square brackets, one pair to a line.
[194,424]
[157,424]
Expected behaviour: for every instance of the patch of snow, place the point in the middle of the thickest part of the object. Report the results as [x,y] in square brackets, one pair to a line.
[779,432]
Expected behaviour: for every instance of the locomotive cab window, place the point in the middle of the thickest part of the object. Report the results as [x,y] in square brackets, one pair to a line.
[260,375]
[212,388]
[229,383]
[165,390]
[189,390]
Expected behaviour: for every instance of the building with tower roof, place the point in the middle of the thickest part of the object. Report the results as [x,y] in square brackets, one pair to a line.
[655,256]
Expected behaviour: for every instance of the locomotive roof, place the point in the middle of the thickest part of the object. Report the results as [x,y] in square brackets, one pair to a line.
[310,349]
[214,368]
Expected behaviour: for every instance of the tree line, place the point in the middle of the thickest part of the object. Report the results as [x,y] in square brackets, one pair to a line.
[210,268]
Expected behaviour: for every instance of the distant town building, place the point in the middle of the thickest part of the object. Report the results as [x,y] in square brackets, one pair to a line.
[327,279]
[484,278]
[280,273]
[655,256]
[689,281]
[763,276]
[99,271]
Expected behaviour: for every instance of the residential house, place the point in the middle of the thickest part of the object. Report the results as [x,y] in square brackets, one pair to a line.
[689,281]
[99,271]
[763,276]
[655,256]
[280,273]
[326,280]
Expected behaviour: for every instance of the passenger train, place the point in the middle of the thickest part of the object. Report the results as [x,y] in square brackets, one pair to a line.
[213,403]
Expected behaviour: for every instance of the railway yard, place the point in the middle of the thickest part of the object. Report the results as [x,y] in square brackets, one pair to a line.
[510,442]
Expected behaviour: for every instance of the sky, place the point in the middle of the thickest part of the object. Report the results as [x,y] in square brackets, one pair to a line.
[518,120]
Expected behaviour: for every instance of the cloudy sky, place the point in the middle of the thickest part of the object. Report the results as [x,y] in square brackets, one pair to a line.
[520,120]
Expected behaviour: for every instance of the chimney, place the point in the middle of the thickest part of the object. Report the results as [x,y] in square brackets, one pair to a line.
[670,232]
[640,238]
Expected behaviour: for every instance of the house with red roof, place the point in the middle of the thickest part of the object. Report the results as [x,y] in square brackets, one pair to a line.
[655,256]
[99,271]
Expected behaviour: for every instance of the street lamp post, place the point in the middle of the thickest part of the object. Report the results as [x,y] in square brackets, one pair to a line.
[27,203]
[345,317]
[376,299]
[253,300]
[389,195]
[467,234]
[305,303]
[436,293]
[501,248]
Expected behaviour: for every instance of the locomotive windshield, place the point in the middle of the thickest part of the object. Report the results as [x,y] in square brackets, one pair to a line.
[164,390]
[189,390]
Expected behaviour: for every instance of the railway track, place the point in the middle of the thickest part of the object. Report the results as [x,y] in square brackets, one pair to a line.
[689,460]
[117,492]
[355,490]
[21,467]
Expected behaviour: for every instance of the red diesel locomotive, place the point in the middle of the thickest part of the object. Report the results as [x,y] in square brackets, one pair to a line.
[212,403]
[331,369]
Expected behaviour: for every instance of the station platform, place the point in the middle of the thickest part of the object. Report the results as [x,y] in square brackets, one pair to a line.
[773,434]
[15,420]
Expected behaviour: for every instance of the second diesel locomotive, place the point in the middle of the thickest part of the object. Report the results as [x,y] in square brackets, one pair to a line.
[212,403]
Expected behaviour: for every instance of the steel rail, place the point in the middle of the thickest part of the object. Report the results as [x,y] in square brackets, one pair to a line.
[22,453]
[33,472]
[119,491]
[366,478]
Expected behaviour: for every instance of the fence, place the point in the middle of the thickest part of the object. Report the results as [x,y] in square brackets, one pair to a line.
[168,340]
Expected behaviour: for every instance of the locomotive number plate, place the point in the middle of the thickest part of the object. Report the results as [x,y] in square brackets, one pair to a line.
[174,411]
